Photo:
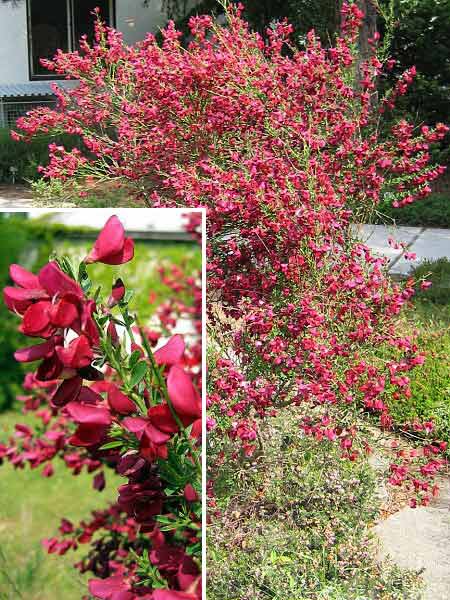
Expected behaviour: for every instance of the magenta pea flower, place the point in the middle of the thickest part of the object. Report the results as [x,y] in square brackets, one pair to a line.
[171,353]
[119,402]
[183,395]
[93,422]
[117,293]
[109,588]
[111,246]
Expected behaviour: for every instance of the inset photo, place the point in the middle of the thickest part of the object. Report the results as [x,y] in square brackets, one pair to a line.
[101,404]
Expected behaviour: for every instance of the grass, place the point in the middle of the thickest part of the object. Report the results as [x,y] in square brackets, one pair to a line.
[295,525]
[430,383]
[54,193]
[31,507]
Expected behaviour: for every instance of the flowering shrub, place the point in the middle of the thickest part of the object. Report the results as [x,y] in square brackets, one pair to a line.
[286,153]
[106,400]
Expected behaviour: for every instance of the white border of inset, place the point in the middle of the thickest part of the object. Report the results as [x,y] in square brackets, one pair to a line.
[118,211]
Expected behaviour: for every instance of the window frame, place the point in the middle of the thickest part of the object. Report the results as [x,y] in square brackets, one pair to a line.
[70,37]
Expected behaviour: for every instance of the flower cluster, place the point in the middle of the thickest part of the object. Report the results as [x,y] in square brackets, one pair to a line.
[106,400]
[287,153]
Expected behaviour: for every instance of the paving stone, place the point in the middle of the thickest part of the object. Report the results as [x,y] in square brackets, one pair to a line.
[419,539]
[429,245]
[377,238]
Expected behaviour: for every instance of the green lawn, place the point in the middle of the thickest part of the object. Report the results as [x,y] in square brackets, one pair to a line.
[31,507]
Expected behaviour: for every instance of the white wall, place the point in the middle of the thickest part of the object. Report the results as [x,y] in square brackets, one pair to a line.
[13,43]
[132,18]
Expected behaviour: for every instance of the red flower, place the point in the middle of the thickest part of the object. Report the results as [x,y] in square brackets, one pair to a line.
[183,395]
[142,500]
[56,283]
[119,402]
[93,422]
[152,440]
[67,392]
[77,354]
[111,246]
[171,353]
[117,293]
[36,352]
[107,589]
[190,494]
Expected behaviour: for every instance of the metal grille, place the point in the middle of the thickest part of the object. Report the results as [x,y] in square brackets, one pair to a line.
[11,111]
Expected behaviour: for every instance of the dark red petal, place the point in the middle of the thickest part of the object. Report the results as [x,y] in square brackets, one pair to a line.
[89,414]
[78,353]
[112,333]
[88,434]
[63,313]
[99,481]
[183,395]
[190,494]
[89,396]
[155,435]
[91,374]
[49,369]
[196,431]
[24,278]
[188,574]
[35,352]
[117,293]
[36,318]
[161,417]
[67,391]
[87,322]
[119,402]
[56,282]
[171,353]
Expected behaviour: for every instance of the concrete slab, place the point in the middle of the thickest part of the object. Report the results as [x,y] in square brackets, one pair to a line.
[377,238]
[16,203]
[419,539]
[429,245]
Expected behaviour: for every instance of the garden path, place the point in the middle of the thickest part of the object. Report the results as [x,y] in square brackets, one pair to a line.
[427,244]
[15,196]
[419,539]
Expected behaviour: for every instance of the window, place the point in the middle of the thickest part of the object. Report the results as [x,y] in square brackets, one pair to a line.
[53,25]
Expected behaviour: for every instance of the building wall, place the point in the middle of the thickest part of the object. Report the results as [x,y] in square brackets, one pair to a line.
[132,18]
[13,43]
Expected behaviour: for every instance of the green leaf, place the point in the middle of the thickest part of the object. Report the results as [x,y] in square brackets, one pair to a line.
[109,445]
[132,361]
[138,373]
